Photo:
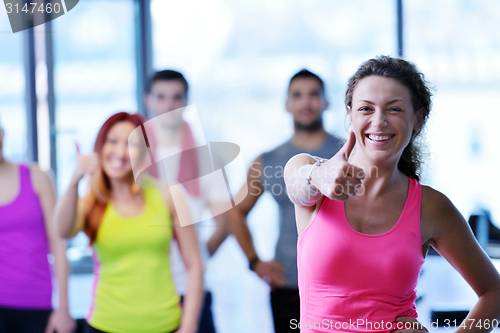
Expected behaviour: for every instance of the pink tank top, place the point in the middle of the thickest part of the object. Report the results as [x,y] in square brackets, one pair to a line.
[355,282]
[25,275]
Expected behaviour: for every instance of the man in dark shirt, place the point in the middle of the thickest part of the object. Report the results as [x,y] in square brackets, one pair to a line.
[306,102]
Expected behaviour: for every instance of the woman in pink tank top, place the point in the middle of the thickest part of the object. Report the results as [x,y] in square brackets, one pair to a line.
[364,221]
[27,201]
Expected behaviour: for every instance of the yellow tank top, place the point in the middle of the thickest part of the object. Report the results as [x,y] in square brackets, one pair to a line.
[133,289]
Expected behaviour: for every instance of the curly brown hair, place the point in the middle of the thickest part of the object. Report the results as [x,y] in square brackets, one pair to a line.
[408,74]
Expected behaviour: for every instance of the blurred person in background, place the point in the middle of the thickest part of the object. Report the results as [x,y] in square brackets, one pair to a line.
[365,222]
[174,137]
[27,236]
[130,229]
[306,102]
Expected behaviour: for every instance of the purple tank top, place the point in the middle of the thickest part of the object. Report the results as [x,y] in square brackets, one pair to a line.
[25,274]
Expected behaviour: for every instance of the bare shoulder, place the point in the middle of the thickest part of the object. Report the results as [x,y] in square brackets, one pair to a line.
[435,203]
[41,180]
[438,213]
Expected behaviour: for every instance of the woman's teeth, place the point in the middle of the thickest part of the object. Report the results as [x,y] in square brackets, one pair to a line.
[379,137]
[117,163]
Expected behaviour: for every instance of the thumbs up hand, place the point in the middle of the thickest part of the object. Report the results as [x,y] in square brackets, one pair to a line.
[86,165]
[337,179]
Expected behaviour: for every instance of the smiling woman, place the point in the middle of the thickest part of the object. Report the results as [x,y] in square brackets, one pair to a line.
[130,229]
[382,114]
[371,219]
[412,90]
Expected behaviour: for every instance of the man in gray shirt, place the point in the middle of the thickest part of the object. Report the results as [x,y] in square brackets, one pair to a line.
[306,102]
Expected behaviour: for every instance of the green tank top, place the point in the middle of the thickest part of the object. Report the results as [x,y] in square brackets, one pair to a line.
[133,289]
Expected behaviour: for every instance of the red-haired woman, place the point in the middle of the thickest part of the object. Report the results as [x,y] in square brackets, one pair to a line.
[130,229]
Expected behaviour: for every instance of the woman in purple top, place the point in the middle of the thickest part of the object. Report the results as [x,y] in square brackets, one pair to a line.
[27,200]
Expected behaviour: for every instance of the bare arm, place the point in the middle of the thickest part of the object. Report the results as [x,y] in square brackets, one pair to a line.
[216,197]
[238,214]
[59,320]
[335,178]
[270,271]
[190,253]
[454,240]
[70,213]
[296,171]
[221,232]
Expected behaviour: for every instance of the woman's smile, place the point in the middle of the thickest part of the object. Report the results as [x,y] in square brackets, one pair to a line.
[382,117]
[379,139]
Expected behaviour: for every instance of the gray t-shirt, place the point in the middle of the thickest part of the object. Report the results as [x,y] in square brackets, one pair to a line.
[273,164]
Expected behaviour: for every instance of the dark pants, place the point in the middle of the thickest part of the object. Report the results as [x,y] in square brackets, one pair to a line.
[206,324]
[23,321]
[90,329]
[285,303]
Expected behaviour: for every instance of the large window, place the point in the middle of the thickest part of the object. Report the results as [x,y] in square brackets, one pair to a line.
[12,91]
[95,75]
[455,44]
[238,57]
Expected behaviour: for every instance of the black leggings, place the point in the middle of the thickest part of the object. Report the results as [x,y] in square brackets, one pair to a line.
[285,303]
[23,321]
[90,329]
